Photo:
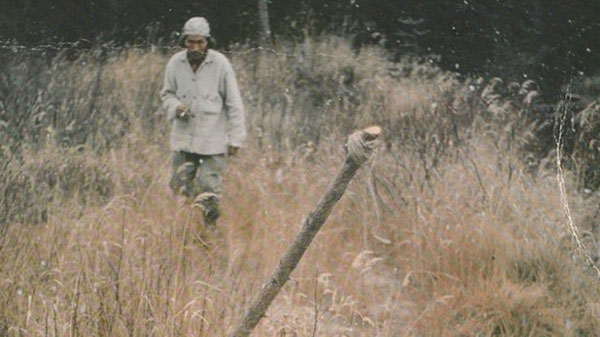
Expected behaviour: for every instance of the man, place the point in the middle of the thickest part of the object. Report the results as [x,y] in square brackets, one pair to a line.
[203,104]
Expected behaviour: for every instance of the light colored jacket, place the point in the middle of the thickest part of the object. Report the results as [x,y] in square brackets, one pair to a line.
[213,97]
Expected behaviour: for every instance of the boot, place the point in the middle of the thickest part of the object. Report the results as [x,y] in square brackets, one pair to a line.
[209,204]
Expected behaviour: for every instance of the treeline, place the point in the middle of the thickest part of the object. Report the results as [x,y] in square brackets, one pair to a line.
[549,41]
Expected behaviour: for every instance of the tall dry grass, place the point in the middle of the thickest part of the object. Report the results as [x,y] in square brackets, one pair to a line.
[447,233]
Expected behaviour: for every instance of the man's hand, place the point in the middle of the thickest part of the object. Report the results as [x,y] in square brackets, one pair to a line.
[183,112]
[232,150]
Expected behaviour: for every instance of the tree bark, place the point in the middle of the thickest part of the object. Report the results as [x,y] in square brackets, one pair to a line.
[265,27]
[310,227]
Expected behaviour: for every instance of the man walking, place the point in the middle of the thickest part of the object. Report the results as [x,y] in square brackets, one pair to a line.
[203,104]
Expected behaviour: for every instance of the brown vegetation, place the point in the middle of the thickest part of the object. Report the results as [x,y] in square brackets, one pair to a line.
[450,232]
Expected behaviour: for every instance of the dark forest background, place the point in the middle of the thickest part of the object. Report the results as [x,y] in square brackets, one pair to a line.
[549,41]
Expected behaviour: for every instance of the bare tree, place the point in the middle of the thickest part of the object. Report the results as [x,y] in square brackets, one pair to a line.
[265,27]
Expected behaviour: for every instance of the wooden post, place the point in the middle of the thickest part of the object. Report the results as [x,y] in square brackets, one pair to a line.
[363,141]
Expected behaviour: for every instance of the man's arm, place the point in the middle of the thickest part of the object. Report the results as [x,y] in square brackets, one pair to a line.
[236,128]
[170,102]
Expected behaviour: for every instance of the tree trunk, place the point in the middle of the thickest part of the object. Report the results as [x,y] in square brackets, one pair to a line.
[265,27]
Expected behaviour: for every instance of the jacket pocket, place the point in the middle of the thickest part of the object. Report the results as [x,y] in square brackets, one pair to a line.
[181,127]
[210,103]
[185,97]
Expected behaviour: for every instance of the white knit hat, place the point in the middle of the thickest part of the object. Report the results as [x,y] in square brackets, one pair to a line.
[196,26]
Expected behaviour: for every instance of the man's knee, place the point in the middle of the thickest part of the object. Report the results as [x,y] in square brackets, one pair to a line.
[182,179]
[209,178]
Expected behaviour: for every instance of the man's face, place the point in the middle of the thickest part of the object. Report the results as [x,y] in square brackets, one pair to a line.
[196,43]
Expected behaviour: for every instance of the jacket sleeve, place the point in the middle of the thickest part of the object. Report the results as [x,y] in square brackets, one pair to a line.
[168,92]
[236,128]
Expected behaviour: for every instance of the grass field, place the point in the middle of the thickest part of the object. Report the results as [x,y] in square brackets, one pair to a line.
[448,232]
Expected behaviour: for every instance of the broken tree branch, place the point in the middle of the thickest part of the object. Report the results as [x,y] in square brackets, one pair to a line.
[360,147]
